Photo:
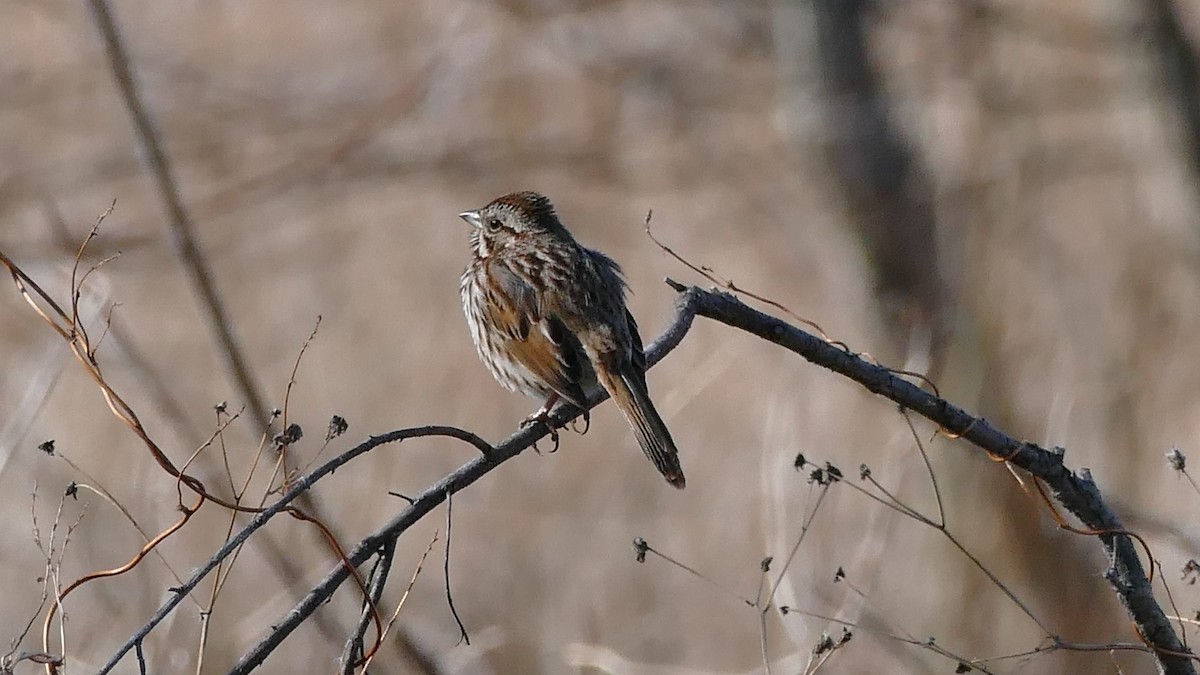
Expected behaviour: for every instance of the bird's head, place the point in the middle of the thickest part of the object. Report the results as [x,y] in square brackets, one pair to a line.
[511,220]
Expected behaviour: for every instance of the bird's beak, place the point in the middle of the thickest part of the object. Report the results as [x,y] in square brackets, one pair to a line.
[472,217]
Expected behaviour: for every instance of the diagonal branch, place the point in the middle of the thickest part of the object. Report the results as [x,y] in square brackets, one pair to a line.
[1077,492]
[352,652]
[260,519]
[1074,490]
[435,494]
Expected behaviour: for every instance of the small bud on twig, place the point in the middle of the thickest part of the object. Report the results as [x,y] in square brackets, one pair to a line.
[337,426]
[1177,459]
[289,435]
[640,547]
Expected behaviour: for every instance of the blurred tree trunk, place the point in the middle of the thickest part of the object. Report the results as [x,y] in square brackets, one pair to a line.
[887,192]
[1181,75]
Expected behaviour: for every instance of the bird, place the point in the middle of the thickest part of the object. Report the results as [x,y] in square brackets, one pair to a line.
[549,320]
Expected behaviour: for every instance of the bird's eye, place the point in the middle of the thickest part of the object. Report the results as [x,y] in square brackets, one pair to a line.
[493,224]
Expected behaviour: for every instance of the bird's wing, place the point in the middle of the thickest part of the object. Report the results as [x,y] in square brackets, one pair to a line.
[510,303]
[637,354]
[554,355]
[539,341]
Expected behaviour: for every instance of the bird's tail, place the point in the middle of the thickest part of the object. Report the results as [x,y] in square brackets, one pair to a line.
[628,391]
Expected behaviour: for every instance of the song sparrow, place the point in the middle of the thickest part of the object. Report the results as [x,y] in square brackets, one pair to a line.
[548,318]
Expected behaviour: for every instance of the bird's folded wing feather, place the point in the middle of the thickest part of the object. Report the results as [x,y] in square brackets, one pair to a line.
[637,355]
[539,342]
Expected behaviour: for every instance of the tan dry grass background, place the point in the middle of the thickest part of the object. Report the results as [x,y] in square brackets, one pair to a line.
[324,149]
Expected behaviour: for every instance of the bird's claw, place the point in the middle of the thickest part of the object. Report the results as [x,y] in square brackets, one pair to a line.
[587,423]
[542,417]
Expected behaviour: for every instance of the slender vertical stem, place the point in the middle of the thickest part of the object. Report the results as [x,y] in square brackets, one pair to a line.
[179,223]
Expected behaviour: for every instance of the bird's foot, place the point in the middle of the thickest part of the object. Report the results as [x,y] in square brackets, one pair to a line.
[542,417]
[587,423]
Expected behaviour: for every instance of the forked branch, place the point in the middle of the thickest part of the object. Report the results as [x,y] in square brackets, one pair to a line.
[1075,491]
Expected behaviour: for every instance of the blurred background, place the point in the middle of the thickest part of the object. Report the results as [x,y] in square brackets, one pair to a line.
[1000,193]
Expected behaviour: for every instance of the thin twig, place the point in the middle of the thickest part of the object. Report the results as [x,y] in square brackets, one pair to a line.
[99,490]
[403,598]
[1077,492]
[435,494]
[804,527]
[150,546]
[893,503]
[937,493]
[84,352]
[281,506]
[462,630]
[352,653]
[762,616]
[178,221]
[10,658]
[205,622]
[287,399]
[640,545]
[904,639]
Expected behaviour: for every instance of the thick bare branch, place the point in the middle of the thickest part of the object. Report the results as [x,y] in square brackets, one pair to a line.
[435,494]
[281,506]
[1074,490]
